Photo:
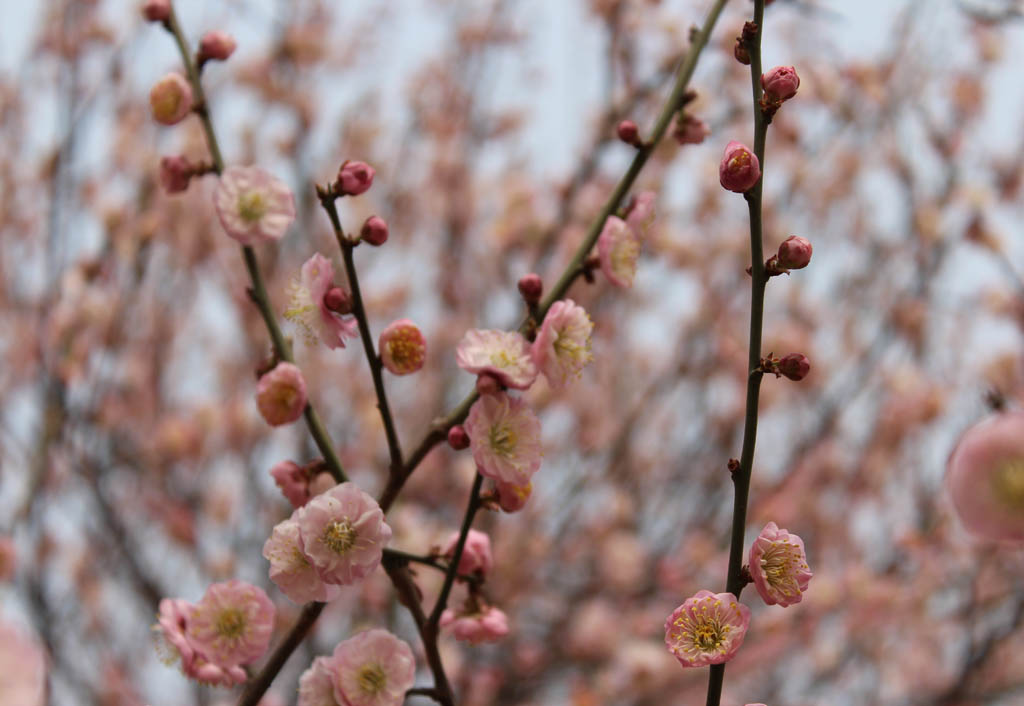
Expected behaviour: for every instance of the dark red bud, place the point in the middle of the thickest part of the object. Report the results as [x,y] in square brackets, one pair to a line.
[458,439]
[531,287]
[794,366]
[338,300]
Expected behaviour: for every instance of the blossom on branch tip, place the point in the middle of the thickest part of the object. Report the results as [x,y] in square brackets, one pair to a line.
[281,394]
[403,349]
[618,246]
[253,205]
[170,99]
[739,169]
[476,552]
[504,354]
[504,435]
[778,566]
[354,178]
[310,305]
[374,668]
[216,45]
[342,533]
[985,478]
[316,685]
[486,625]
[562,346]
[290,569]
[708,628]
[232,624]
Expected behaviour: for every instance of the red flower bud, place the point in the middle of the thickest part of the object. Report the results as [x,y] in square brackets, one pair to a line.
[739,169]
[794,366]
[794,253]
[780,84]
[458,439]
[354,178]
[216,45]
[375,231]
[156,10]
[338,300]
[629,133]
[531,287]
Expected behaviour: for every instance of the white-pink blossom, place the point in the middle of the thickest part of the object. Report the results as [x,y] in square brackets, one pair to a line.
[316,685]
[308,308]
[232,623]
[778,566]
[618,248]
[708,628]
[281,394]
[373,668]
[253,205]
[476,552]
[562,346]
[506,355]
[504,436]
[291,570]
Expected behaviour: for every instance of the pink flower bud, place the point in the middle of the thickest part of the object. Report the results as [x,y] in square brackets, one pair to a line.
[216,45]
[156,10]
[175,173]
[794,366]
[375,231]
[458,439]
[512,498]
[629,133]
[487,384]
[794,253]
[281,394]
[780,84]
[403,350]
[531,287]
[739,169]
[170,99]
[338,300]
[354,178]
[740,52]
[690,130]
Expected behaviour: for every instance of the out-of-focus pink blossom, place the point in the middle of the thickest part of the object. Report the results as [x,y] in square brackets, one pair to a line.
[8,558]
[487,384]
[488,625]
[780,84]
[293,480]
[629,133]
[640,214]
[374,231]
[739,169]
[216,45]
[156,10]
[458,439]
[985,478]
[476,552]
[403,349]
[281,394]
[232,623]
[343,533]
[531,287]
[175,173]
[354,178]
[708,628]
[175,645]
[504,354]
[511,497]
[253,205]
[690,130]
[618,248]
[562,346]
[309,306]
[778,566]
[374,668]
[504,435]
[291,570]
[170,99]
[795,253]
[316,685]
[22,668]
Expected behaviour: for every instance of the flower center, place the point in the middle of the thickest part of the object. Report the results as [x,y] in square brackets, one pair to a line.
[704,633]
[624,257]
[502,439]
[779,564]
[251,206]
[372,679]
[340,536]
[500,359]
[405,350]
[1009,484]
[230,623]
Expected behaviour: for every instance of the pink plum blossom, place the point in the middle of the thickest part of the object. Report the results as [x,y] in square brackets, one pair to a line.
[232,623]
[403,349]
[253,205]
[640,214]
[504,435]
[985,478]
[343,534]
[562,346]
[476,552]
[354,178]
[506,355]
[22,668]
[487,625]
[281,394]
[739,169]
[293,480]
[708,628]
[780,84]
[170,99]
[175,645]
[291,570]
[316,685]
[618,248]
[512,498]
[310,306]
[373,668]
[778,566]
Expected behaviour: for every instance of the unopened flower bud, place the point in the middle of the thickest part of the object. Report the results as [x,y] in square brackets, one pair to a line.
[216,45]
[175,173]
[170,99]
[740,52]
[487,384]
[794,253]
[458,439]
[629,133]
[338,300]
[374,231]
[354,178]
[794,366]
[531,287]
[780,84]
[156,10]
[739,169]
[512,498]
